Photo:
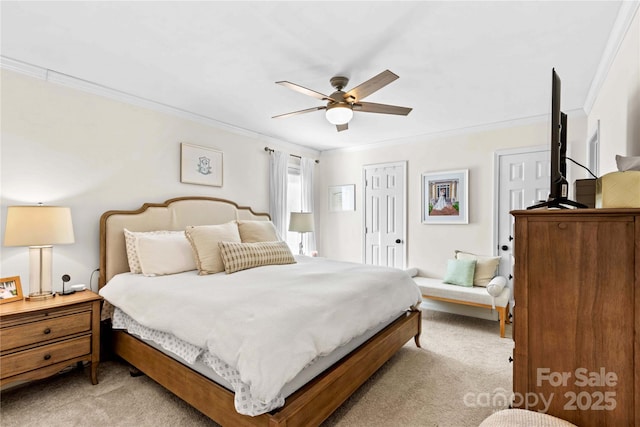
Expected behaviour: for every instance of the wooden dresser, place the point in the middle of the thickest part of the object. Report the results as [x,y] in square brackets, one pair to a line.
[39,338]
[577,314]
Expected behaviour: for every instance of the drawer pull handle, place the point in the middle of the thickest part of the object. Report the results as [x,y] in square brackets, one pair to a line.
[47,356]
[47,331]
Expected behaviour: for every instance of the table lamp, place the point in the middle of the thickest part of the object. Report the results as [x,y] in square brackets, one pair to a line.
[39,227]
[302,222]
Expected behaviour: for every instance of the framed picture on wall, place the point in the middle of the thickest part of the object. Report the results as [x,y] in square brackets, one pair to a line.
[342,198]
[200,165]
[445,197]
[10,289]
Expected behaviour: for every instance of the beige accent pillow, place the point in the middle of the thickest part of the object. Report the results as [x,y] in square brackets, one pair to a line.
[257,231]
[204,241]
[161,254]
[130,244]
[241,256]
[486,267]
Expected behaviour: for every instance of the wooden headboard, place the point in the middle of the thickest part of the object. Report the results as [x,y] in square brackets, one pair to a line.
[174,214]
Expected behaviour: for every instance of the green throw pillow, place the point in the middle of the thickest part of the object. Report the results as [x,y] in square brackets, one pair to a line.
[460,272]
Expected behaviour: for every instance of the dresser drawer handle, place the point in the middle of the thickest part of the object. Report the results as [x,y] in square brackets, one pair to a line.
[47,356]
[47,331]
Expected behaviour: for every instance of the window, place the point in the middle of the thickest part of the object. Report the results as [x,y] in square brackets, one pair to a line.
[294,200]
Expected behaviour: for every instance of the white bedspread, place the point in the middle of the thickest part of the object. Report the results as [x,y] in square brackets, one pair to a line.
[267,322]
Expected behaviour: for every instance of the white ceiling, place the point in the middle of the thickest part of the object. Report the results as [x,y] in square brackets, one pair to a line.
[461,64]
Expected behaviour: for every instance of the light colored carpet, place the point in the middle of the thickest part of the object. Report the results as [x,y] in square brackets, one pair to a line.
[460,376]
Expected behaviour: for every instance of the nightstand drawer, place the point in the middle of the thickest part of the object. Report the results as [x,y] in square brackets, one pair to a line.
[44,330]
[24,361]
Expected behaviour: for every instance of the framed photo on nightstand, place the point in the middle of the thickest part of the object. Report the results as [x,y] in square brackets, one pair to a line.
[10,289]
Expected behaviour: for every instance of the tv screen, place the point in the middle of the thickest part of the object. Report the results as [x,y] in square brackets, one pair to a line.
[558,185]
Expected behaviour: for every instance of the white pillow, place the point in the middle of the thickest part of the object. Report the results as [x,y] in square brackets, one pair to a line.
[130,243]
[204,240]
[496,285]
[486,267]
[161,254]
[413,272]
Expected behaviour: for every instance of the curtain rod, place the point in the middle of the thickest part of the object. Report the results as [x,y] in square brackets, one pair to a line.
[271,150]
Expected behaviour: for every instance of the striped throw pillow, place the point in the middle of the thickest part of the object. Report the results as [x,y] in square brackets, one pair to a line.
[241,256]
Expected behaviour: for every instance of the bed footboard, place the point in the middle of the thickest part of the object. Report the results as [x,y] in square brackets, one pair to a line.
[308,406]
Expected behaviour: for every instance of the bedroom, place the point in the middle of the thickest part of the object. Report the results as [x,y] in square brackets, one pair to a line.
[99,151]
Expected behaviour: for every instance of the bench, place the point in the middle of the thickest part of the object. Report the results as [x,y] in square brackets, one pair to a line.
[494,296]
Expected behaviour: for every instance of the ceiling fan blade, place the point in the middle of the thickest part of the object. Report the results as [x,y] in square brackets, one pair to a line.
[371,107]
[342,127]
[304,90]
[373,84]
[294,113]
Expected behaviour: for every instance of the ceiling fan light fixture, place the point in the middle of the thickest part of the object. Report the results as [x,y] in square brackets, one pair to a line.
[339,113]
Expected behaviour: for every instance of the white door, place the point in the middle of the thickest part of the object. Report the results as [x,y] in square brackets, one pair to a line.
[522,180]
[384,214]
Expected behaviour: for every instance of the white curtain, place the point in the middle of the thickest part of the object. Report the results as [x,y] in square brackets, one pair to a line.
[306,182]
[278,164]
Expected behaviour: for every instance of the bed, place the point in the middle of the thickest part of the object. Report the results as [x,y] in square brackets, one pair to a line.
[312,400]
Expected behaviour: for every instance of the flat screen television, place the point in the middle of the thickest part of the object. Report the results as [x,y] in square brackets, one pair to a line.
[558,185]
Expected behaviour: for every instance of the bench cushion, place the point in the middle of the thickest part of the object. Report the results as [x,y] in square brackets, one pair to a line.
[431,287]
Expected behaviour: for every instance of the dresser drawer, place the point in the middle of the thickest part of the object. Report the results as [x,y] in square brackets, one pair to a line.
[44,330]
[35,358]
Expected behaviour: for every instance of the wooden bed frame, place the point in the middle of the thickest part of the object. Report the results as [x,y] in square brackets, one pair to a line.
[308,406]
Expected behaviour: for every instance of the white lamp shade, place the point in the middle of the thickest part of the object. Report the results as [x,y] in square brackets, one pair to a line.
[339,114]
[302,222]
[38,226]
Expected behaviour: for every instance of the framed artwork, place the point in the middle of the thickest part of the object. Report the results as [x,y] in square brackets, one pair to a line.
[10,289]
[342,198]
[445,197]
[200,165]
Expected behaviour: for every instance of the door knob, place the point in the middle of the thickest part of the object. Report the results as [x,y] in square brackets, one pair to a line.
[504,247]
[398,241]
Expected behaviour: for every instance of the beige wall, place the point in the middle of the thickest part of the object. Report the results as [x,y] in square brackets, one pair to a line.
[63,146]
[430,245]
[617,104]
[69,147]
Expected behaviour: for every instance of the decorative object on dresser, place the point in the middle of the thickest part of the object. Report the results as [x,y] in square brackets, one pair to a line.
[585,192]
[10,289]
[39,227]
[200,165]
[301,222]
[618,190]
[577,293]
[39,338]
[445,197]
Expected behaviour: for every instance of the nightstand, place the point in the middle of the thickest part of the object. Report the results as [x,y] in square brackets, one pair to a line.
[40,338]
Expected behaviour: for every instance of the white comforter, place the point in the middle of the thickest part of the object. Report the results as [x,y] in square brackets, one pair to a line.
[267,322]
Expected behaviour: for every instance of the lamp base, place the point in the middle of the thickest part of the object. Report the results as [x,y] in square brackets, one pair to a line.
[39,297]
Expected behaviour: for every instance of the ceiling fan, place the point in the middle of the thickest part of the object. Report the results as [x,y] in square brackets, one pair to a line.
[341,105]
